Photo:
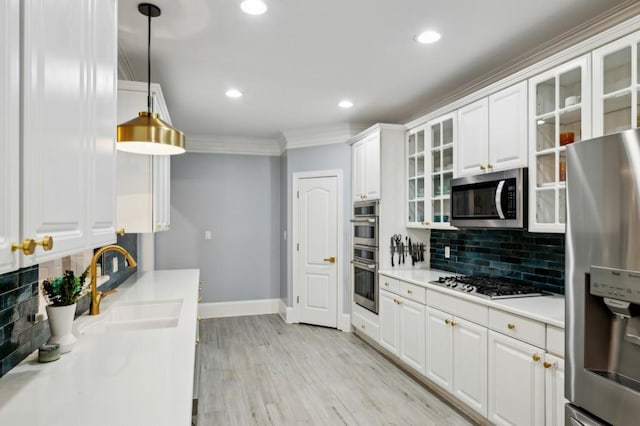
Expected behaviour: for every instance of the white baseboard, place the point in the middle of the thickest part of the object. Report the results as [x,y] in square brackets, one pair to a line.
[286,312]
[238,309]
[345,323]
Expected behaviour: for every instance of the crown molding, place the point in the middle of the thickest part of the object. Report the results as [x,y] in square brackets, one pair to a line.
[233,145]
[316,136]
[613,24]
[378,127]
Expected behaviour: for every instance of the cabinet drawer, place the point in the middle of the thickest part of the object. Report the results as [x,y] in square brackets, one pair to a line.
[365,325]
[518,327]
[459,307]
[555,340]
[389,284]
[413,292]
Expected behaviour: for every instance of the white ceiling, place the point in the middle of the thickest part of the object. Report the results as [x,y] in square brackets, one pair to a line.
[297,61]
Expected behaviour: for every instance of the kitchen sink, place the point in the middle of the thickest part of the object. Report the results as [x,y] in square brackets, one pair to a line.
[134,316]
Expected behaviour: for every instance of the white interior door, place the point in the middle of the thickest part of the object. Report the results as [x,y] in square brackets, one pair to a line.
[317,251]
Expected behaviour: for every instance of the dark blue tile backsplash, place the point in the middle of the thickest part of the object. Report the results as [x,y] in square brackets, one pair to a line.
[20,334]
[521,256]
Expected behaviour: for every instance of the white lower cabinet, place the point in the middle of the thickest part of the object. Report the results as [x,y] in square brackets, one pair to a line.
[366,322]
[456,357]
[516,382]
[554,390]
[402,329]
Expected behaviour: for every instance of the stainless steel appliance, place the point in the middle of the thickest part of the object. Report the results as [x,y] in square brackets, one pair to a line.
[488,287]
[365,254]
[603,281]
[491,200]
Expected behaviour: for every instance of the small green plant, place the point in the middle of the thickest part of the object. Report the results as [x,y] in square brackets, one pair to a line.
[65,290]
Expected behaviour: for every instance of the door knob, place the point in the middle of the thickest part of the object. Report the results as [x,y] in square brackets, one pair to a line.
[330,259]
[28,246]
[46,243]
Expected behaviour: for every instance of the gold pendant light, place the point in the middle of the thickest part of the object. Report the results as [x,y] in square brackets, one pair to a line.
[147,133]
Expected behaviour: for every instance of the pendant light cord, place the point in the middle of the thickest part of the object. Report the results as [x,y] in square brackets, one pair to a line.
[149,102]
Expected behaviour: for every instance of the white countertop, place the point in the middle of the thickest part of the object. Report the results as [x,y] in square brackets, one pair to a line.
[141,377]
[547,309]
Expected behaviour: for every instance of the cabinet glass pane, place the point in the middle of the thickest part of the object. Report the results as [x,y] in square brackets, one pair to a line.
[562,166]
[546,134]
[545,205]
[420,165]
[412,144]
[420,142]
[617,113]
[412,211]
[570,88]
[412,167]
[446,210]
[638,108]
[436,167]
[435,135]
[562,205]
[546,169]
[447,159]
[420,187]
[437,186]
[412,189]
[446,183]
[420,211]
[447,131]
[570,126]
[437,216]
[638,63]
[617,70]
[546,96]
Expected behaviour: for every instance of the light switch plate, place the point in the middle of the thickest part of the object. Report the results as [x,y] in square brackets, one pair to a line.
[447,252]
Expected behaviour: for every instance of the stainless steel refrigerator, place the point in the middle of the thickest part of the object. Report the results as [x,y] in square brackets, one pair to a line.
[603,281]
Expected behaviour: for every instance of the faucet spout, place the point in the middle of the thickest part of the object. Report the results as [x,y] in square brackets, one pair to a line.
[97,296]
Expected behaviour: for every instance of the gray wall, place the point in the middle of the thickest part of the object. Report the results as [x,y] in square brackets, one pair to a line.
[237,198]
[326,157]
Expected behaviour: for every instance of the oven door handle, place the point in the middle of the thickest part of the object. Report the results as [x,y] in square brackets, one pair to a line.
[499,199]
[363,221]
[365,265]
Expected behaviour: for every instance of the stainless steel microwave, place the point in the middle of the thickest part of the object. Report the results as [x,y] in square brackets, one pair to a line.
[491,200]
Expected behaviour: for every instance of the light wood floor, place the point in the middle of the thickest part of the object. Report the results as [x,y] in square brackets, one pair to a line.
[258,370]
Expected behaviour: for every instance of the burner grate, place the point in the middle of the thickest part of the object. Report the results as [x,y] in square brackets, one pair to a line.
[490,287]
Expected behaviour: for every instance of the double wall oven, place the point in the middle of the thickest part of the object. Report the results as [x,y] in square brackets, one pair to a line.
[364,254]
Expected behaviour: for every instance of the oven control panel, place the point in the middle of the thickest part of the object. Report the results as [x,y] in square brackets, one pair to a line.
[615,283]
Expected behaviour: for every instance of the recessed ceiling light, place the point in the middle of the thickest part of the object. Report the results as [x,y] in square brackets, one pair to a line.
[345,104]
[233,93]
[428,37]
[253,7]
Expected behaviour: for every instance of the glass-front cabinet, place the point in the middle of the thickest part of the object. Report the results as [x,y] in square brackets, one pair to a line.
[429,173]
[616,86]
[560,111]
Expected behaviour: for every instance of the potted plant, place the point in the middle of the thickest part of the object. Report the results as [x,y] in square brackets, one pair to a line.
[62,293]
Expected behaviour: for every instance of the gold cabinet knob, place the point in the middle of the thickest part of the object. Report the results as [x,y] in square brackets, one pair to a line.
[120,232]
[331,259]
[490,166]
[28,246]
[482,167]
[547,364]
[511,326]
[397,302]
[199,299]
[447,322]
[409,291]
[535,357]
[197,341]
[362,325]
[158,225]
[453,323]
[46,242]
[386,284]
[426,223]
[199,319]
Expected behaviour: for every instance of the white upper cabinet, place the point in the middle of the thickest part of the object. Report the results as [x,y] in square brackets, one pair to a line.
[492,132]
[559,114]
[9,133]
[366,168]
[143,181]
[69,63]
[616,86]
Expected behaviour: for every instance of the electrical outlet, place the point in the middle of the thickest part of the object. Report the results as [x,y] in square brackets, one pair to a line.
[447,252]
[114,268]
[207,235]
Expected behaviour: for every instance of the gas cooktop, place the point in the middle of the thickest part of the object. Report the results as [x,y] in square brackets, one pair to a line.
[488,287]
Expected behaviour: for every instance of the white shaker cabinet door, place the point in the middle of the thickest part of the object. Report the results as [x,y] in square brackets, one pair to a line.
[439,356]
[473,138]
[412,335]
[508,128]
[9,134]
[470,364]
[372,174]
[516,382]
[554,390]
[55,136]
[389,322]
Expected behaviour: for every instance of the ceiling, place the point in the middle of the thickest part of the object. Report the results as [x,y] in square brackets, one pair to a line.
[297,61]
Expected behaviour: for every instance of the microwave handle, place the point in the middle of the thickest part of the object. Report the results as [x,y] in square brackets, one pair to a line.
[363,221]
[499,199]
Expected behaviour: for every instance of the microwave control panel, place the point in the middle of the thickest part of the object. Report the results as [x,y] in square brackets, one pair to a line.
[617,284]
[510,197]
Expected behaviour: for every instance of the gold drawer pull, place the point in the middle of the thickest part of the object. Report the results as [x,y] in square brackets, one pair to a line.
[120,232]
[490,166]
[547,364]
[409,291]
[535,357]
[453,323]
[46,243]
[28,246]
[511,326]
[447,322]
[482,167]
